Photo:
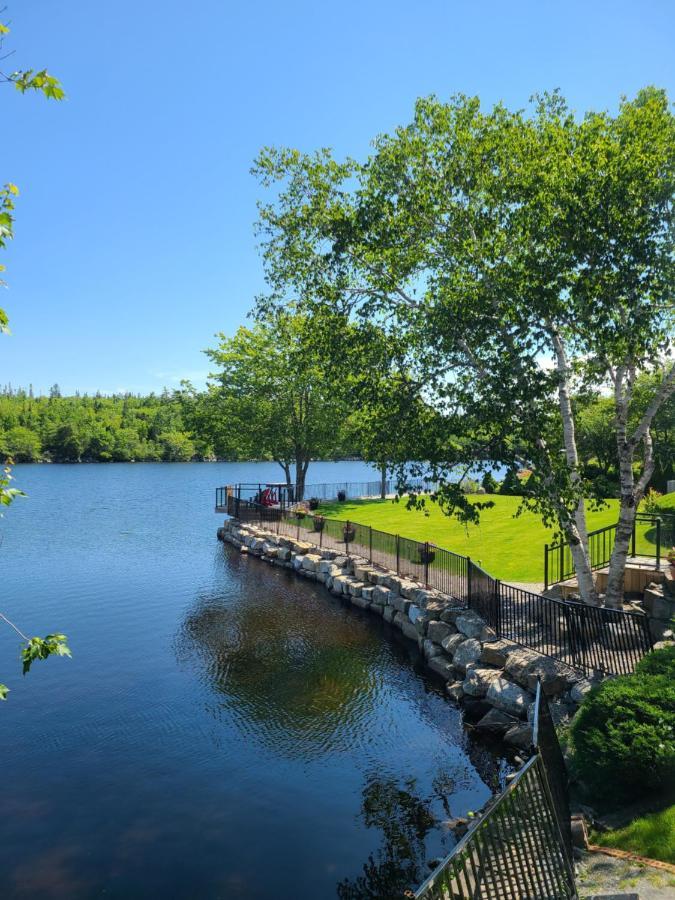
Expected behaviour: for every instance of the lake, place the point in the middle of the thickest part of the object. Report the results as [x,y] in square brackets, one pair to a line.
[224,729]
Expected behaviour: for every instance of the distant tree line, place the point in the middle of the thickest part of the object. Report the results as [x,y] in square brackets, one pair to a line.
[83,428]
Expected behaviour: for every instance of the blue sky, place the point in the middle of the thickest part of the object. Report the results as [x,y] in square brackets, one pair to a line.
[134,232]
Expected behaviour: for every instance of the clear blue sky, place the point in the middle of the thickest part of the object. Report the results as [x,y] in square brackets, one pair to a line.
[134,233]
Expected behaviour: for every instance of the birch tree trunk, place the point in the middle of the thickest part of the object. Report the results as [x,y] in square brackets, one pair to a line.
[577,535]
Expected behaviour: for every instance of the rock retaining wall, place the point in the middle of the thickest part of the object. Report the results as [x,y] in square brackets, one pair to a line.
[493,679]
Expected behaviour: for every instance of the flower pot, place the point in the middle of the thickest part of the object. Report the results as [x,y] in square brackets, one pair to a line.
[313,503]
[342,496]
[348,535]
[426,556]
[319,523]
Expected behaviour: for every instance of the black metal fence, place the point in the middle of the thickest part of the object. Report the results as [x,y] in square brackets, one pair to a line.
[522,846]
[586,638]
[287,495]
[651,535]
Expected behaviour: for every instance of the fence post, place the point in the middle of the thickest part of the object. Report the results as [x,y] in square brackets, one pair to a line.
[398,555]
[426,564]
[545,567]
[346,533]
[632,541]
[468,581]
[498,607]
[658,542]
[321,535]
[561,562]
[370,544]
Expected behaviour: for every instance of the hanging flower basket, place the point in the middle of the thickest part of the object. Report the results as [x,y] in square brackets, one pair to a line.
[313,503]
[426,555]
[319,522]
[348,534]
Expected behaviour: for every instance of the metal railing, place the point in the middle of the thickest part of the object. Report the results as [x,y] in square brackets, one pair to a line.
[589,639]
[522,846]
[650,536]
[286,495]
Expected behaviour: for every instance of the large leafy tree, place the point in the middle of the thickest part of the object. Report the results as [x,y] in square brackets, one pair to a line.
[524,256]
[27,80]
[274,397]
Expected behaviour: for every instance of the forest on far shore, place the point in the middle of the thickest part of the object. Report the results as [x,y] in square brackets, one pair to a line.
[84,428]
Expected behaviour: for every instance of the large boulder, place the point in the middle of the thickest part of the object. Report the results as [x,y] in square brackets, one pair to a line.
[380,595]
[415,614]
[399,603]
[519,736]
[436,631]
[442,665]
[430,649]
[496,721]
[527,667]
[405,625]
[467,652]
[509,697]
[451,643]
[469,624]
[407,587]
[495,654]
[311,562]
[478,679]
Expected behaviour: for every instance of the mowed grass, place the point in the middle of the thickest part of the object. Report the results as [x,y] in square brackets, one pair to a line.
[506,546]
[652,836]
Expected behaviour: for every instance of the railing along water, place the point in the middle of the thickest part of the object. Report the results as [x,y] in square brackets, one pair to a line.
[589,639]
[522,846]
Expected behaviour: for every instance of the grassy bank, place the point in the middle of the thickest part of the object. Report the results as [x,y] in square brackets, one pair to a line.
[507,547]
[651,835]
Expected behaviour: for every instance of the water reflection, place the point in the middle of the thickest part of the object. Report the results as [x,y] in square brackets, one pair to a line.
[404,820]
[303,676]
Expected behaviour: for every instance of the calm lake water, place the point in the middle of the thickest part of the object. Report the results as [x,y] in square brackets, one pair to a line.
[224,730]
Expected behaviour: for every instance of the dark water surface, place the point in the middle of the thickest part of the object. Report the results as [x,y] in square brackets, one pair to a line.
[224,730]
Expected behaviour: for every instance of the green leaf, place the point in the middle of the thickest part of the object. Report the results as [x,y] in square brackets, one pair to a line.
[4,690]
[41,648]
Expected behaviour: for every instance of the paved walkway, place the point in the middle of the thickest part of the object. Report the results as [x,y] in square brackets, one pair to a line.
[601,874]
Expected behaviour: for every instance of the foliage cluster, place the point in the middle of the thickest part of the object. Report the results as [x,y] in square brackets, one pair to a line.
[624,733]
[120,428]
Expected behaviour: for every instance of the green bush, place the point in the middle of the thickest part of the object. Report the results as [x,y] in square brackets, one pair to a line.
[489,483]
[659,662]
[624,736]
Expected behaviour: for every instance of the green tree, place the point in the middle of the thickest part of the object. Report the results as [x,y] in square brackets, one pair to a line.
[21,444]
[273,396]
[494,242]
[178,446]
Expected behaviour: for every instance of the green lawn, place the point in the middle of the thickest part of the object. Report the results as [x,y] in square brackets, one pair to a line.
[652,836]
[506,547]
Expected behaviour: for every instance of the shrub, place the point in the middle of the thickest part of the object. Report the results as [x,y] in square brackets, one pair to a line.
[489,483]
[511,484]
[651,502]
[624,736]
[659,662]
